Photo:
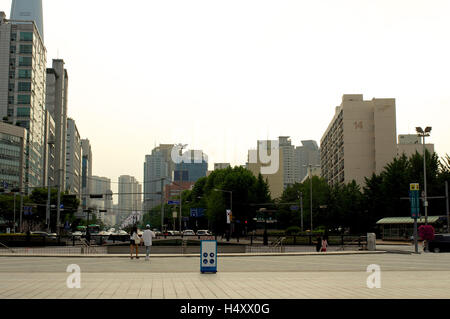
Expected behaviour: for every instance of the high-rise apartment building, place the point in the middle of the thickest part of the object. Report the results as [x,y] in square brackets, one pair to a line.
[13,141]
[102,186]
[360,140]
[130,196]
[86,172]
[73,159]
[157,166]
[289,162]
[56,103]
[409,144]
[275,169]
[218,166]
[22,83]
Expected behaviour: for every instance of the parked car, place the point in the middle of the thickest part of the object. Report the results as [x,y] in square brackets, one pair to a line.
[204,233]
[440,243]
[188,232]
[77,234]
[45,234]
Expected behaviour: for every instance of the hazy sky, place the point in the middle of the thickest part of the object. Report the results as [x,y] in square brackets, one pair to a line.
[219,75]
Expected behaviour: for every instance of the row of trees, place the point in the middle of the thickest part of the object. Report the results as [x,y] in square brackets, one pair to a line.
[337,208]
[208,193]
[358,209]
[38,201]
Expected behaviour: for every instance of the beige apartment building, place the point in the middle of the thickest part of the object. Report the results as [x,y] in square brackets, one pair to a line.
[256,164]
[409,144]
[360,140]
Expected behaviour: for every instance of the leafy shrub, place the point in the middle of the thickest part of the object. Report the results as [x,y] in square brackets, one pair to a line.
[293,230]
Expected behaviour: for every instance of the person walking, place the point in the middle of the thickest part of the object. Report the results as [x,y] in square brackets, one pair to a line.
[148,236]
[319,244]
[324,244]
[134,242]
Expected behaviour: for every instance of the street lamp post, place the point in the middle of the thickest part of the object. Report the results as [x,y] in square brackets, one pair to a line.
[424,133]
[310,166]
[181,147]
[231,207]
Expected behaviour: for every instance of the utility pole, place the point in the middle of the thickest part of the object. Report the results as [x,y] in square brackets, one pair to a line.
[58,205]
[425,202]
[162,203]
[21,210]
[446,198]
[301,210]
[310,182]
[14,229]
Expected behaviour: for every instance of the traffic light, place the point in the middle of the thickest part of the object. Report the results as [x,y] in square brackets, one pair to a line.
[245,222]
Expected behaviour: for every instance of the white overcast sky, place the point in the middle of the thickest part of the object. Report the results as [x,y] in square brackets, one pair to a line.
[219,75]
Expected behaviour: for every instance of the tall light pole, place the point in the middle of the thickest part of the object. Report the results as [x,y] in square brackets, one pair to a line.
[310,166]
[181,147]
[424,133]
[47,215]
[231,203]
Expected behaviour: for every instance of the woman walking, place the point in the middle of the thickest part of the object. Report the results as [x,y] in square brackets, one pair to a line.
[324,244]
[134,242]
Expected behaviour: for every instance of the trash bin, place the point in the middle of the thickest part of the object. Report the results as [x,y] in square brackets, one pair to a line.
[371,242]
[208,256]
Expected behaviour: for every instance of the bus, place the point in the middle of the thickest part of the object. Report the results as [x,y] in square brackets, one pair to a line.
[94,229]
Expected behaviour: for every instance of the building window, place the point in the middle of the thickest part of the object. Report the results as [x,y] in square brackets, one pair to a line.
[26,49]
[13,36]
[12,49]
[23,99]
[24,61]
[26,36]
[10,99]
[12,74]
[23,112]
[25,74]
[11,87]
[24,86]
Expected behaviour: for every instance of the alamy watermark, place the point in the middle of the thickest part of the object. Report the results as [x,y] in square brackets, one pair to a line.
[374,280]
[74,279]
[267,155]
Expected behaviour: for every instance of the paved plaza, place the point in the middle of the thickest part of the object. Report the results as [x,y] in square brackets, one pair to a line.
[244,277]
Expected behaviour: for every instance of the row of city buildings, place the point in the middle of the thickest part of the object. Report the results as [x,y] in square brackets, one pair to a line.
[40,146]
[360,140]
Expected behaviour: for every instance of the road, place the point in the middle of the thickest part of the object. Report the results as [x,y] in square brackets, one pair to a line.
[290,277]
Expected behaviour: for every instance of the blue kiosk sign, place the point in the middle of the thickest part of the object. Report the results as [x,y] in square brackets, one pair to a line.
[208,256]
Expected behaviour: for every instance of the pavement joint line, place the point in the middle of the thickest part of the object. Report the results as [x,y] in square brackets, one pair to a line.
[340,253]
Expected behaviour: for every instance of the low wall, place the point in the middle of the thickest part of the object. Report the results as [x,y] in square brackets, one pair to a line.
[175,249]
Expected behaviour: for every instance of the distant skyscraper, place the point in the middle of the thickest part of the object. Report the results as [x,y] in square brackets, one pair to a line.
[306,154]
[193,169]
[30,10]
[158,165]
[130,197]
[56,104]
[102,186]
[86,172]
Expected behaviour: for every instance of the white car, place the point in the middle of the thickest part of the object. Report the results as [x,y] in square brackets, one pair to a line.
[188,232]
[204,233]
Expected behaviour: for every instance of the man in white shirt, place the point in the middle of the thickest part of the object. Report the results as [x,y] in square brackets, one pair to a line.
[148,235]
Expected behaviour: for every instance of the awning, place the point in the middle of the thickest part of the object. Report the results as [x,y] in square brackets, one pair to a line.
[407,220]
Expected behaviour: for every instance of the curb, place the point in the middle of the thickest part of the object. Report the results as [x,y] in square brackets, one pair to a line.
[340,253]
